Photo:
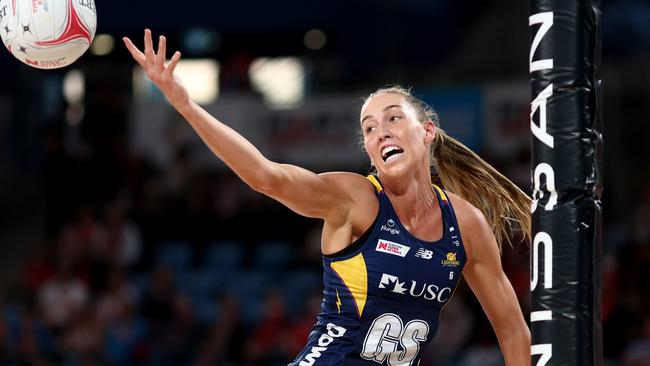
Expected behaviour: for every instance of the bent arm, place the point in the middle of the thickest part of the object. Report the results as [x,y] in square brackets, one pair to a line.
[489,283]
[301,190]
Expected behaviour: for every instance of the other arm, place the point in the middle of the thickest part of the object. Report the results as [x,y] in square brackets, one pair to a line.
[485,276]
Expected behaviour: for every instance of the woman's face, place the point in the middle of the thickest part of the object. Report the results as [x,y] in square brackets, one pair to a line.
[394,139]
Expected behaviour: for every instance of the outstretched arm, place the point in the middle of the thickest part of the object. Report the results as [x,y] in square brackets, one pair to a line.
[489,283]
[322,196]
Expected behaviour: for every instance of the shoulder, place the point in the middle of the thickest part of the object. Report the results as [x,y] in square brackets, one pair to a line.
[475,229]
[351,182]
[344,177]
[359,189]
[358,218]
[467,214]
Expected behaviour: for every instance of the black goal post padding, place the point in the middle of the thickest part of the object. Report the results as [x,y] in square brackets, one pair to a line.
[564,63]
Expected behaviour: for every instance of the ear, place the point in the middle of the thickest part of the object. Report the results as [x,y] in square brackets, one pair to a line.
[429,131]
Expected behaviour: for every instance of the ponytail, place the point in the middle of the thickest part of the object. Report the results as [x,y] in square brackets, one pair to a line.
[459,170]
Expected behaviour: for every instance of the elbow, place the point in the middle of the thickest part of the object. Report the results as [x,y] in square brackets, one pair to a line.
[518,333]
[266,181]
[522,332]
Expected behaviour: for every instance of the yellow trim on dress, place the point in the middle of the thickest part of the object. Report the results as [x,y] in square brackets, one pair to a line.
[354,274]
[374,182]
[442,194]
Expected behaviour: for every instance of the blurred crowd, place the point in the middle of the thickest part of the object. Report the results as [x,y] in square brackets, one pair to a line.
[626,289]
[186,266]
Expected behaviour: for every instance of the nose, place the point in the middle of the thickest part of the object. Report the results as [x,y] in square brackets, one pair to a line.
[383,132]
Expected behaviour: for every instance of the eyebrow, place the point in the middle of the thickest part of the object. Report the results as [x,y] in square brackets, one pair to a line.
[383,110]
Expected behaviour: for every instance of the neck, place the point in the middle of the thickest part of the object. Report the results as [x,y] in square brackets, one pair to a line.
[411,196]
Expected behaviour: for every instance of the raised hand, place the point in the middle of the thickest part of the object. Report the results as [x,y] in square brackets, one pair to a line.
[160,73]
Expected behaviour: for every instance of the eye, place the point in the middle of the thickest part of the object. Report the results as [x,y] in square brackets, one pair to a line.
[395,118]
[369,129]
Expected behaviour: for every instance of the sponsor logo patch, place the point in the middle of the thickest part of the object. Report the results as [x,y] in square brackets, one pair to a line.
[393,248]
[424,253]
[450,261]
[390,227]
[427,291]
[333,331]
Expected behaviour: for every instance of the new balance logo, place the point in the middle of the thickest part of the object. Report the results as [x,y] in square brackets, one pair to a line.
[424,253]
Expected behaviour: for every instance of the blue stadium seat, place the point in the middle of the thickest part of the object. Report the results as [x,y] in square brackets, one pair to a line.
[206,309]
[252,309]
[224,255]
[174,254]
[141,281]
[298,285]
[201,282]
[249,288]
[251,282]
[274,254]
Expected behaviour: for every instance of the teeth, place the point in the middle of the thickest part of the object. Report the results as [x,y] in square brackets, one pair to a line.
[388,149]
[393,157]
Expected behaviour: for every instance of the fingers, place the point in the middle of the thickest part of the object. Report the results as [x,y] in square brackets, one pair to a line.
[148,50]
[151,60]
[172,64]
[135,52]
[160,55]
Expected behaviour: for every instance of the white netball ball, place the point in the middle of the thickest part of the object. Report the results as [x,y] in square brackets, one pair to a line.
[47,34]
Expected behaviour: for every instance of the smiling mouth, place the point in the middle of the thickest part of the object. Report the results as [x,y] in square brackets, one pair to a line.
[390,153]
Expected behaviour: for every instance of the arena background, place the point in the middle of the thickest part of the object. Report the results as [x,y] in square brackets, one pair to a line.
[123,241]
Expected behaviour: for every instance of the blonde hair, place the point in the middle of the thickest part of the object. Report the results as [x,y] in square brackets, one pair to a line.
[459,170]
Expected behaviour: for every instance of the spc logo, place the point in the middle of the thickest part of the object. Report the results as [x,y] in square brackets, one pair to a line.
[392,248]
[333,331]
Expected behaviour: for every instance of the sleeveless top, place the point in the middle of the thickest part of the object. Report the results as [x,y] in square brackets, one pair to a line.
[383,294]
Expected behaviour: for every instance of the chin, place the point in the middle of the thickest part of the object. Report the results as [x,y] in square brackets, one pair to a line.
[394,170]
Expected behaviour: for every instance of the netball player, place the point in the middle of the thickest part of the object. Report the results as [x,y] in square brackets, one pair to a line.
[394,245]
